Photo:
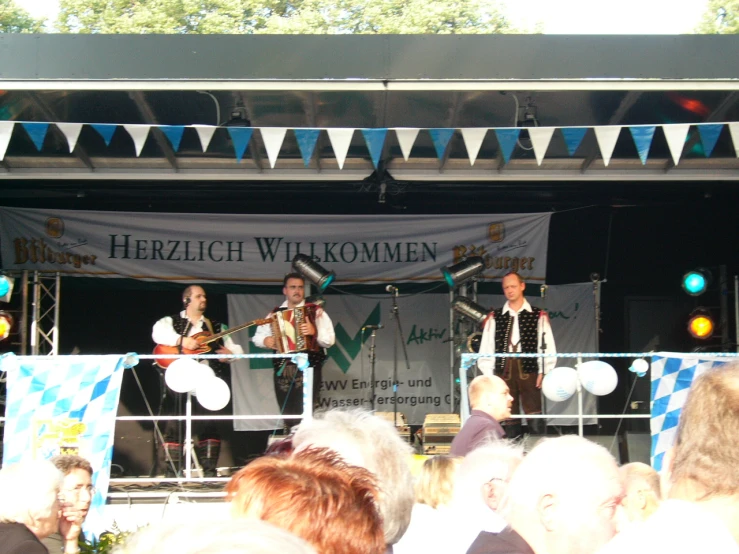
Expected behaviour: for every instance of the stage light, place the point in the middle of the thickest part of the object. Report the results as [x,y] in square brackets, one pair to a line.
[6,288]
[463,271]
[696,282]
[313,272]
[6,324]
[700,324]
[468,308]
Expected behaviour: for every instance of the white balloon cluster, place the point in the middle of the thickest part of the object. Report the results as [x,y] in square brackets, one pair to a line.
[596,377]
[187,375]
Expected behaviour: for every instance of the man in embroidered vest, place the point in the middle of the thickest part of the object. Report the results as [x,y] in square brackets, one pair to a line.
[519,327]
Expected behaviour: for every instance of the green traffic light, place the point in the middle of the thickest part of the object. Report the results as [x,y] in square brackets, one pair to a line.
[694,283]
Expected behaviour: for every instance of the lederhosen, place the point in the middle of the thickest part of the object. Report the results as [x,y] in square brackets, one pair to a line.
[519,373]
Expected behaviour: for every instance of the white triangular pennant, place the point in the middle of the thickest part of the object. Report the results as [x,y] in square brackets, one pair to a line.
[138,133]
[473,138]
[205,133]
[607,137]
[71,132]
[406,139]
[675,136]
[540,139]
[340,141]
[6,130]
[273,138]
[734,130]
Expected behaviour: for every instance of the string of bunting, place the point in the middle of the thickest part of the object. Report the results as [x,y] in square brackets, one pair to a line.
[341,138]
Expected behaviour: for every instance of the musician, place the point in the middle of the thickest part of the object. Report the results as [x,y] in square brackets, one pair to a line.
[518,327]
[287,379]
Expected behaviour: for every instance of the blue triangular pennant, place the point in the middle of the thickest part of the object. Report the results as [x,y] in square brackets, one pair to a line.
[174,134]
[709,136]
[441,138]
[507,139]
[643,140]
[37,132]
[307,139]
[573,137]
[375,139]
[106,131]
[240,137]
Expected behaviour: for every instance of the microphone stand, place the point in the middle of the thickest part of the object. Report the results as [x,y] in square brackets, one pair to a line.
[394,313]
[542,361]
[372,358]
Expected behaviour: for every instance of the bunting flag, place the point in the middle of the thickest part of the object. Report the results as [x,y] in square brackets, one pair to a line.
[307,139]
[273,138]
[573,137]
[675,136]
[174,134]
[540,139]
[205,134]
[240,136]
[441,138]
[709,133]
[375,140]
[6,130]
[37,132]
[607,138]
[71,132]
[734,130]
[105,130]
[340,141]
[139,134]
[643,136]
[507,139]
[406,139]
[473,138]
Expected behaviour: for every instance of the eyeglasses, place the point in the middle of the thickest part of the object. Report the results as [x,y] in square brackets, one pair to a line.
[79,488]
[498,479]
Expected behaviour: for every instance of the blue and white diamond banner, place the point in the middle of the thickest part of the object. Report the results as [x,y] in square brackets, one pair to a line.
[672,376]
[64,405]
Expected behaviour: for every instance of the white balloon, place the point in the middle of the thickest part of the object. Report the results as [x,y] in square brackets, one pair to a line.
[205,372]
[640,365]
[559,384]
[181,375]
[213,394]
[598,378]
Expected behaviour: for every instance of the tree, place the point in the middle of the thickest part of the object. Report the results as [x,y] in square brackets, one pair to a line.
[14,19]
[721,17]
[282,16]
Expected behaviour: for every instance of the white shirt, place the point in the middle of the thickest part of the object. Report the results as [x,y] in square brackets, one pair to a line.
[163,333]
[324,329]
[543,333]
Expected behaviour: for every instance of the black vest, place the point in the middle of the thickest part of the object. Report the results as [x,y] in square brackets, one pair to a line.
[527,327]
[179,324]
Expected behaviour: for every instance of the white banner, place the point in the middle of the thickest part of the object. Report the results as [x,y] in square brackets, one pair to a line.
[423,389]
[259,248]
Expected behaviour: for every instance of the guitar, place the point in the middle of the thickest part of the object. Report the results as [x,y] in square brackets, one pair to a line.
[204,338]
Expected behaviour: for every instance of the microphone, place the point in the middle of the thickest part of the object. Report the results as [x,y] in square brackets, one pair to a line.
[372,327]
[391,289]
[544,291]
[186,301]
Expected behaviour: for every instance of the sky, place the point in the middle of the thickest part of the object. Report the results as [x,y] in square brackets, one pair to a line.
[557,16]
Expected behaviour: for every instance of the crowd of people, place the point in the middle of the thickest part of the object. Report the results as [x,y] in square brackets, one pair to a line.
[343,485]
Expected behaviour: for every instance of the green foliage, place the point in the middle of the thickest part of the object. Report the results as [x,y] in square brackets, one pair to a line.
[14,19]
[721,17]
[105,544]
[282,16]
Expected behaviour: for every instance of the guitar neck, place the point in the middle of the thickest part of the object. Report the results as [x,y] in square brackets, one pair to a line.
[227,332]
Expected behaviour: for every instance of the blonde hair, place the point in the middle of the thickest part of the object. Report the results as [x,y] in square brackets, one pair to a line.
[435,484]
[479,387]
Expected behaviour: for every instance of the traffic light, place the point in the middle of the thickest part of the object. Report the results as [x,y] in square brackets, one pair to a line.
[701,324]
[6,325]
[6,288]
[696,282]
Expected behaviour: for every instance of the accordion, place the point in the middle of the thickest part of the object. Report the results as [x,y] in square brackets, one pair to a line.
[285,326]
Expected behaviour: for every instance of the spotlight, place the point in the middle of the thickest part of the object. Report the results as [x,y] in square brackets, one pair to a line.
[463,271]
[696,282]
[468,308]
[313,272]
[6,324]
[700,324]
[6,288]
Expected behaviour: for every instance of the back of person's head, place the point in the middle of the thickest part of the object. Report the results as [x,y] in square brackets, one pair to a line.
[485,473]
[315,495]
[28,495]
[206,537]
[642,490]
[435,482]
[368,441]
[564,496]
[706,447]
[68,462]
